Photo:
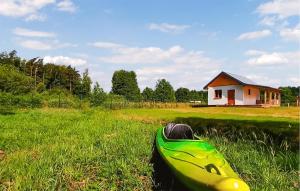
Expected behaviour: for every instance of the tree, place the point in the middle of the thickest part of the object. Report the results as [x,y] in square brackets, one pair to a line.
[198,96]
[11,59]
[86,84]
[288,94]
[124,83]
[11,80]
[98,96]
[194,95]
[41,76]
[40,87]
[203,96]
[148,94]
[164,91]
[295,91]
[182,95]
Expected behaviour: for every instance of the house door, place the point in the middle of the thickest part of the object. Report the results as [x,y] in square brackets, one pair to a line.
[231,97]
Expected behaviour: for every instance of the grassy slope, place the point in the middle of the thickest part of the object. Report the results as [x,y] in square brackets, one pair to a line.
[70,149]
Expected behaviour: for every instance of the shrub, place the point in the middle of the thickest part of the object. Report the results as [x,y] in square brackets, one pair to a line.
[61,103]
[32,100]
[60,98]
[114,101]
[11,80]
[98,96]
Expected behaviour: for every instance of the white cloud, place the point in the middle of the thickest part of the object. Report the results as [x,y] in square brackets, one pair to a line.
[47,43]
[254,53]
[64,60]
[29,9]
[35,45]
[295,80]
[268,21]
[293,57]
[179,77]
[21,8]
[44,45]
[264,79]
[32,33]
[291,34]
[275,58]
[275,13]
[106,45]
[281,8]
[268,59]
[254,35]
[66,5]
[210,35]
[36,17]
[137,55]
[168,28]
[179,66]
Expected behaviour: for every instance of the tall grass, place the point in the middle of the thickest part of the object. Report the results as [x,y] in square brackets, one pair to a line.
[123,104]
[66,149]
[263,166]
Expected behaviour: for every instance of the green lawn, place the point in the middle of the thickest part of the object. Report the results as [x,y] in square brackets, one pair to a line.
[56,149]
[285,114]
[280,123]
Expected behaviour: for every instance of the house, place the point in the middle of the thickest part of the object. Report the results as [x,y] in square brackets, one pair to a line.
[232,89]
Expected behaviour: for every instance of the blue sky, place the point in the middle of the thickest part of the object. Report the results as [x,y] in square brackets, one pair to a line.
[186,42]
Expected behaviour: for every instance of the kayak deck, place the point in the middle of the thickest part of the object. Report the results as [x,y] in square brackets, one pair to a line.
[198,164]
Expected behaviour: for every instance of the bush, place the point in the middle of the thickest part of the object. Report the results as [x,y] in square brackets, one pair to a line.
[98,96]
[22,101]
[114,101]
[61,103]
[11,80]
[60,98]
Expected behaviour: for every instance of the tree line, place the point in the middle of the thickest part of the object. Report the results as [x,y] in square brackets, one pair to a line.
[289,94]
[19,76]
[22,76]
[125,83]
[43,81]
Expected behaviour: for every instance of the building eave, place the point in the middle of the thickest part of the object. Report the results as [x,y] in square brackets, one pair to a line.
[240,82]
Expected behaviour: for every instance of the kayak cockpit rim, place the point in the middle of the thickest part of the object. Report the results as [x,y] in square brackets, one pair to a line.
[180,140]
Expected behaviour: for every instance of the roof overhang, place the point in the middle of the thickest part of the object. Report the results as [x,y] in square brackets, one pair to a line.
[261,87]
[227,75]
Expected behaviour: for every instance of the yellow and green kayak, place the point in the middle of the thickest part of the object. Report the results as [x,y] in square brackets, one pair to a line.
[196,163]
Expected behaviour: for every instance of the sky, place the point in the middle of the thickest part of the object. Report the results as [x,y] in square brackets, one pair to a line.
[186,42]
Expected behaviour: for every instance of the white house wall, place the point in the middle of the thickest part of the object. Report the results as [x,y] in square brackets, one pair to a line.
[224,100]
[254,95]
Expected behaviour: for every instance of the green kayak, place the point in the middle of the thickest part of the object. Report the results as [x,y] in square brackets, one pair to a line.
[196,163]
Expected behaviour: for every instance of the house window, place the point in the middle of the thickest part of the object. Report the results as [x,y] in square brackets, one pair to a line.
[218,94]
[249,91]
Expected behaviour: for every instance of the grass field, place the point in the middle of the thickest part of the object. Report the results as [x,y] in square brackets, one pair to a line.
[55,149]
[280,123]
[290,114]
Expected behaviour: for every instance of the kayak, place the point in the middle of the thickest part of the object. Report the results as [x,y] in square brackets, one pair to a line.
[196,163]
